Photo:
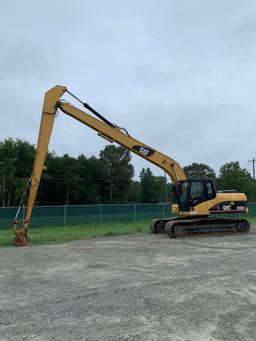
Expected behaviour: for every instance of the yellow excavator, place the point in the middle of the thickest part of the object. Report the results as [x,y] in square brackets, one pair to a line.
[198,202]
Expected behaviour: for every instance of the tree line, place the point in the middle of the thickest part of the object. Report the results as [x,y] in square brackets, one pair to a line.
[82,180]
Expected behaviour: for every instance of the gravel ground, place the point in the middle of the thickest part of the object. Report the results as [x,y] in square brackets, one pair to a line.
[135,287]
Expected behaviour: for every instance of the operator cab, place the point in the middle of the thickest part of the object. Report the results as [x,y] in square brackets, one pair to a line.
[192,192]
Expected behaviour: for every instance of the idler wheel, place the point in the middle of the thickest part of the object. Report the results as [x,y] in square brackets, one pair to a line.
[243,226]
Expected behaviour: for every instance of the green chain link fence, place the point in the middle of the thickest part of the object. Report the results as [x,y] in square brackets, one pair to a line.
[91,214]
[85,214]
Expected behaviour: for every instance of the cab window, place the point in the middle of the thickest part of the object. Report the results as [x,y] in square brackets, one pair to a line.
[210,190]
[197,191]
[183,192]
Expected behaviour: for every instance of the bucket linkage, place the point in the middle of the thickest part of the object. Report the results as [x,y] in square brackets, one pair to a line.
[20,233]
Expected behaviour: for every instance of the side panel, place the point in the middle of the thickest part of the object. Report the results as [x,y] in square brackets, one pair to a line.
[229,207]
[222,203]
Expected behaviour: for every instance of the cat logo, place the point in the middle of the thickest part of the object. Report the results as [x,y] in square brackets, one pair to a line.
[144,150]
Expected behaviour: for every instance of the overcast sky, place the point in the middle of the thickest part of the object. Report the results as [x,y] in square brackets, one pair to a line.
[178,74]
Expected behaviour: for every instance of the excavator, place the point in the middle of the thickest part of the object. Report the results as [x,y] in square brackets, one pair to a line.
[198,202]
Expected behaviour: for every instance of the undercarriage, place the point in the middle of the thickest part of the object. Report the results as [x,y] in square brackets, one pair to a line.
[184,227]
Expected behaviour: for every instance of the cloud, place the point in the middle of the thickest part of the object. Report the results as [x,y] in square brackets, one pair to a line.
[178,75]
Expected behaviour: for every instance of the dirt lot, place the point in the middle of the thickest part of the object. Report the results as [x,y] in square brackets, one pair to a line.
[130,288]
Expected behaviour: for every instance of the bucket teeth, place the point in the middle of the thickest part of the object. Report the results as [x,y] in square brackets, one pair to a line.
[20,239]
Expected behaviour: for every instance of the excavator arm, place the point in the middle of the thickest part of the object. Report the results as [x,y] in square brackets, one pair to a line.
[115,134]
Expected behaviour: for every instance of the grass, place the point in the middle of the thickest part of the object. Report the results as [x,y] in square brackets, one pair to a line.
[61,234]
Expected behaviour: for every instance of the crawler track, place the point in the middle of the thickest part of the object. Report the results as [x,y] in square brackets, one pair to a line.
[178,227]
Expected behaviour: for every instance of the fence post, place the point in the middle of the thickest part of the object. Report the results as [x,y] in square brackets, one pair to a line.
[134,213]
[65,215]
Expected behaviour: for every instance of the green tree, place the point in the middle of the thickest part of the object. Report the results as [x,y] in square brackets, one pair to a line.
[199,171]
[91,175]
[60,181]
[153,189]
[117,174]
[16,160]
[147,190]
[232,176]
[134,192]
[162,189]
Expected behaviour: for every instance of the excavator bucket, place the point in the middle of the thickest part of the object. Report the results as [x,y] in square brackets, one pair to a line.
[20,238]
[20,234]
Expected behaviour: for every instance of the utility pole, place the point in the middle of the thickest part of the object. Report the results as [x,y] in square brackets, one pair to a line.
[253,172]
